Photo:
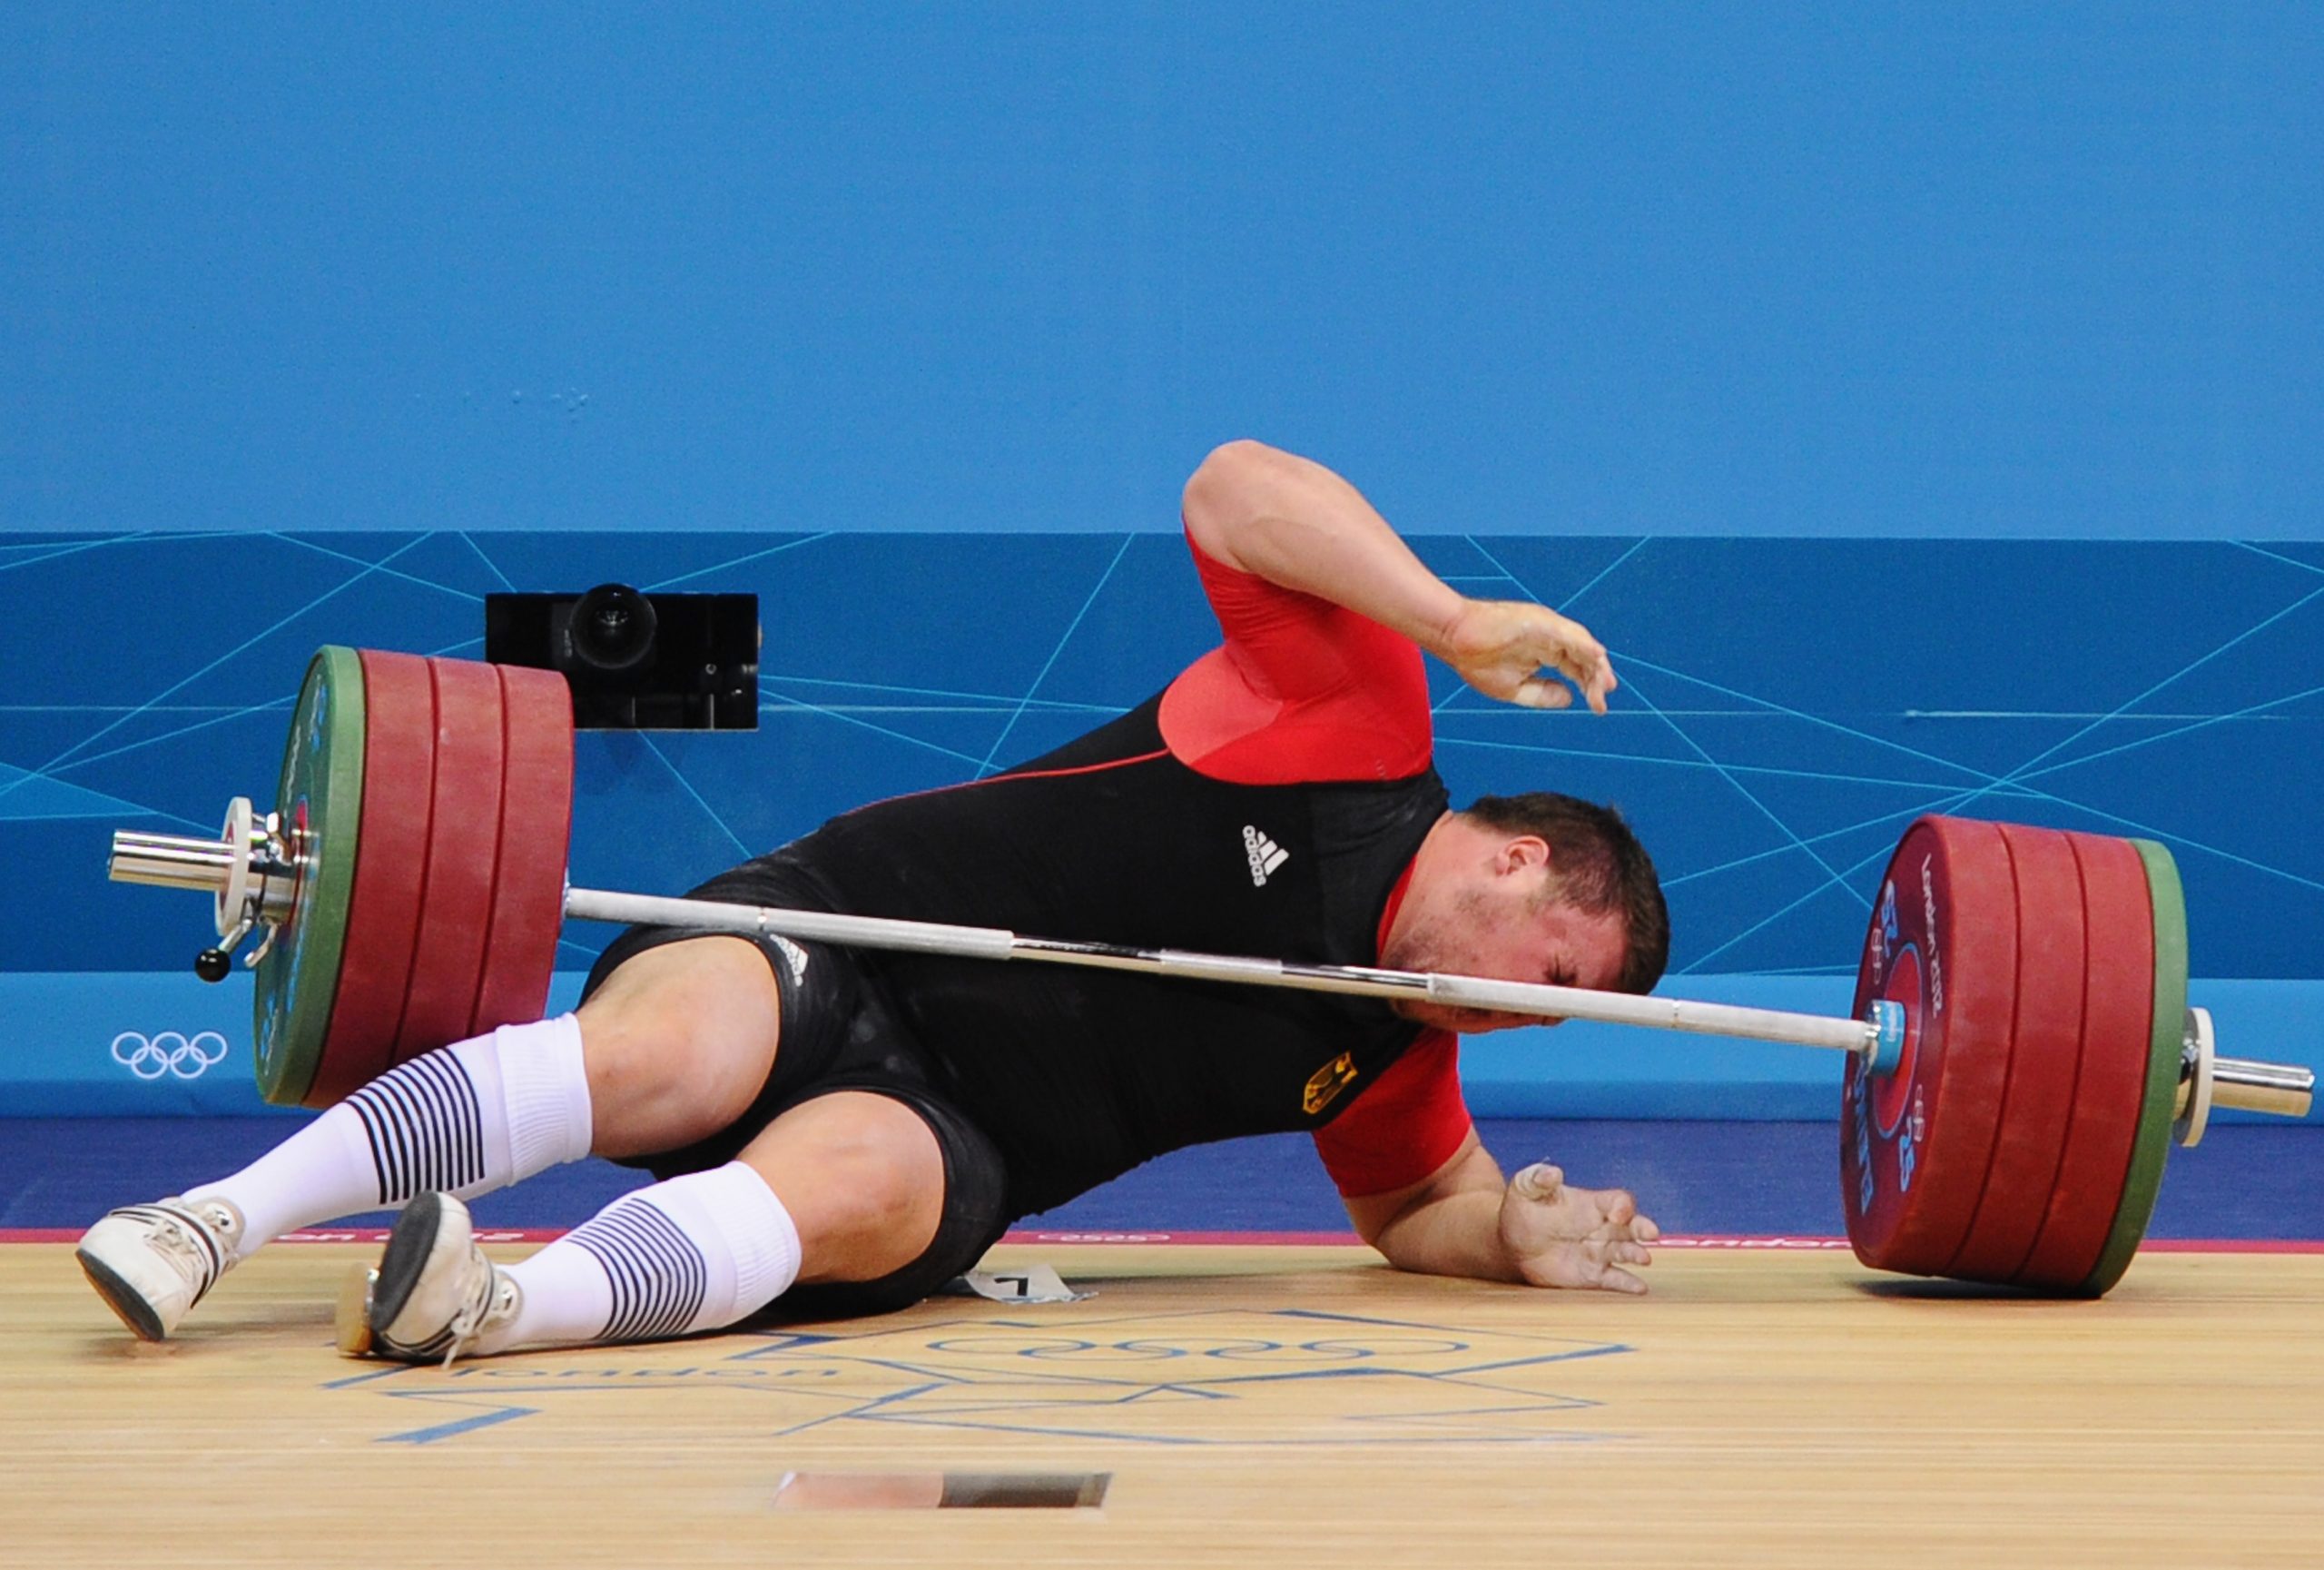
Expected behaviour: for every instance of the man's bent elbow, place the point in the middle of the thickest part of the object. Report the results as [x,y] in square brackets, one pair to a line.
[1225,494]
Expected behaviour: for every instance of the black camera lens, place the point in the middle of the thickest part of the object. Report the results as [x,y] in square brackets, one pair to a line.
[613,627]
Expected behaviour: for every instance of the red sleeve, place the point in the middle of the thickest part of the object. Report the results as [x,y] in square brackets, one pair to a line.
[1403,1125]
[1302,690]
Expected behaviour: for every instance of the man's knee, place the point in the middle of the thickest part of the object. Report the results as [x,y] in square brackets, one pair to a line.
[863,1177]
[677,1041]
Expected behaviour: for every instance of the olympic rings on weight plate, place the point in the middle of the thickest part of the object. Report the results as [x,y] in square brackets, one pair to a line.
[170,1052]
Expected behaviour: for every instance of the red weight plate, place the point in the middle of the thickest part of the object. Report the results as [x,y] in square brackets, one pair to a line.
[2044,1053]
[463,858]
[391,863]
[1915,1144]
[536,817]
[2117,1009]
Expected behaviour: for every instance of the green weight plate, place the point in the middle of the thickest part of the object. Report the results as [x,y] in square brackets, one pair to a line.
[2152,1143]
[320,801]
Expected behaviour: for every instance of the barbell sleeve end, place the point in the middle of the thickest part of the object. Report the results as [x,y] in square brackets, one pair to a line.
[2280,1090]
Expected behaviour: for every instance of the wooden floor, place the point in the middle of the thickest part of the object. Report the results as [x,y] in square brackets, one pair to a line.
[1271,1408]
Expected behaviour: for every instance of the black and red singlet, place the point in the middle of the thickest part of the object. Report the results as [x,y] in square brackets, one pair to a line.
[1269,801]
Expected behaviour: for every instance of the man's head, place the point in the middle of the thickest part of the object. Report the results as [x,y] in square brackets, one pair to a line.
[1540,887]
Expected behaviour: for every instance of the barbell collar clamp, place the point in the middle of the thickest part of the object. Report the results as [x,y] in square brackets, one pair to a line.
[243,871]
[1884,1050]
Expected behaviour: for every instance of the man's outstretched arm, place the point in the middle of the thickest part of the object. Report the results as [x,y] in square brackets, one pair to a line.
[1294,522]
[1464,1220]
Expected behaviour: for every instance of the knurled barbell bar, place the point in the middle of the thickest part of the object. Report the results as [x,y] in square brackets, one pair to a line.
[2021,1057]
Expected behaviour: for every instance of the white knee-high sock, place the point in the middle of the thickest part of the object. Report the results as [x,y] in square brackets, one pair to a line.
[696,1253]
[468,1119]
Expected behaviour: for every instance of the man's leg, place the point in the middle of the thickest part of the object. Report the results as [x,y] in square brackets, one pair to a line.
[671,1048]
[849,1187]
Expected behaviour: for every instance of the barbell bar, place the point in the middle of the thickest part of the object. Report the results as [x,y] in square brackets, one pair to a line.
[2020,1057]
[216,867]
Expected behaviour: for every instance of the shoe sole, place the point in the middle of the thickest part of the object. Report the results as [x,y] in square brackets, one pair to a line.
[352,1320]
[129,1305]
[409,1243]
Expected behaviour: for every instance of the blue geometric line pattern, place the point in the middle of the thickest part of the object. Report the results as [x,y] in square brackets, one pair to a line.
[318,547]
[464,538]
[2186,670]
[986,765]
[1807,698]
[1693,746]
[1189,1378]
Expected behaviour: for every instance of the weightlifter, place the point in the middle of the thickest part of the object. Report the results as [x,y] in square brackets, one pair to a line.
[840,1133]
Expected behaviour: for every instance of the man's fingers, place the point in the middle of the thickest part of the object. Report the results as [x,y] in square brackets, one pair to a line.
[1619,1280]
[1600,682]
[1536,692]
[1644,1229]
[1538,1181]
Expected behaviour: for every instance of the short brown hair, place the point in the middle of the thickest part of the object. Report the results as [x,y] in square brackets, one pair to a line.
[1600,867]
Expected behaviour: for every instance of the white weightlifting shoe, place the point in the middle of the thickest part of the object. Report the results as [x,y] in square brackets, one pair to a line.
[151,1263]
[434,1295]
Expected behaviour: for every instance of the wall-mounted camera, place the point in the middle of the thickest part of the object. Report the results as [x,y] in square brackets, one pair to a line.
[637,661]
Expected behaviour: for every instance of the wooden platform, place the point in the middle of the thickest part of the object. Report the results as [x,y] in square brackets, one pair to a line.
[1271,1408]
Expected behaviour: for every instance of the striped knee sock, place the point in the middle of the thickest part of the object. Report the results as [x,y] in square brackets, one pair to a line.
[469,1118]
[696,1253]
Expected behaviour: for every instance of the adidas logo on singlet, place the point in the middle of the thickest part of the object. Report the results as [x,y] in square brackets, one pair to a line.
[1264,854]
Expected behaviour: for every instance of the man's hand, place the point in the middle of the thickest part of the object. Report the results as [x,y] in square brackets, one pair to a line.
[1567,1236]
[1501,647]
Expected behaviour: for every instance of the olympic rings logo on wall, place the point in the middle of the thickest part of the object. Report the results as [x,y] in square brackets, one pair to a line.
[170,1052]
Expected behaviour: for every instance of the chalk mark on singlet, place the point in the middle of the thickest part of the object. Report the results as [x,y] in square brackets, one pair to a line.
[986,765]
[67,757]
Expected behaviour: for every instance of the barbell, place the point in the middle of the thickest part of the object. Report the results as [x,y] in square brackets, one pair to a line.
[2021,1054]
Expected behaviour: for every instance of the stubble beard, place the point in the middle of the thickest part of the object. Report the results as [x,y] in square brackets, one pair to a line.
[1427,946]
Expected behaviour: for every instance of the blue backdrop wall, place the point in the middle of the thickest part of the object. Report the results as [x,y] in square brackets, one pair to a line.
[1923,405]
